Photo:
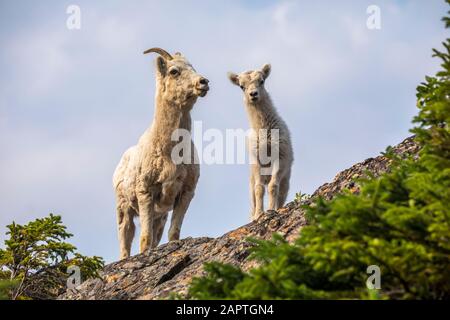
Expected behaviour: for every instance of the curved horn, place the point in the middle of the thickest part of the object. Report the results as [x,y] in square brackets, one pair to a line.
[160,51]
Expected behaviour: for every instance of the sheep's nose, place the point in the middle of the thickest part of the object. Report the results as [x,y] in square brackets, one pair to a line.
[254,93]
[203,81]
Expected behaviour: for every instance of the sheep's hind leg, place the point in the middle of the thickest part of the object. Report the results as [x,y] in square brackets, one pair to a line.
[179,211]
[126,229]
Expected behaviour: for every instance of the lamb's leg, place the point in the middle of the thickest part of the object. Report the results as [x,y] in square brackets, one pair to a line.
[252,196]
[158,229]
[284,189]
[259,197]
[273,190]
[146,217]
[126,230]
[179,211]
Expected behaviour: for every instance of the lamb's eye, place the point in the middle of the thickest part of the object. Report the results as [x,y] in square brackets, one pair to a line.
[261,82]
[242,87]
[174,72]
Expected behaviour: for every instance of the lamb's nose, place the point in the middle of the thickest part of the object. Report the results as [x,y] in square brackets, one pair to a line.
[253,93]
[203,81]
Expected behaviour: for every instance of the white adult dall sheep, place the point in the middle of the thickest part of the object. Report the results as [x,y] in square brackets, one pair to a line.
[147,182]
[270,136]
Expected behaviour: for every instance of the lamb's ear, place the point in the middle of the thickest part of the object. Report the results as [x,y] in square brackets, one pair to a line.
[161,66]
[266,70]
[234,78]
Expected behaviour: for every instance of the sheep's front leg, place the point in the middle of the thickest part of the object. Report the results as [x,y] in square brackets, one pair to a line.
[146,217]
[158,229]
[169,190]
[178,214]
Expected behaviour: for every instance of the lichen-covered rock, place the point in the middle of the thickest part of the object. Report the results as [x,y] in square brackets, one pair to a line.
[376,166]
[170,268]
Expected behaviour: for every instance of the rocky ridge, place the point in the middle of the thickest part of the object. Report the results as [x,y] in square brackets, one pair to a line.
[170,267]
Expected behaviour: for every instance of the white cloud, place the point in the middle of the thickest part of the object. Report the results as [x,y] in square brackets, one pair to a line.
[116,35]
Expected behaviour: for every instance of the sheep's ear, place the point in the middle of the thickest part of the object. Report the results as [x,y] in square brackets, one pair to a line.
[266,70]
[161,66]
[234,78]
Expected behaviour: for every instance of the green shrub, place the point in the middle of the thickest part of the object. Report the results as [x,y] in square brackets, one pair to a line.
[6,286]
[34,263]
[399,222]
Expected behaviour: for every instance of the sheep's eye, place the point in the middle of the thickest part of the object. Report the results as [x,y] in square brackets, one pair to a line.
[261,82]
[242,87]
[174,72]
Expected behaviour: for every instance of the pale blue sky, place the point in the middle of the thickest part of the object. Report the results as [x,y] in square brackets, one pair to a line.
[71,102]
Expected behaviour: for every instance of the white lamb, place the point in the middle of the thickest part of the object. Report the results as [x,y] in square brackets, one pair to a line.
[263,118]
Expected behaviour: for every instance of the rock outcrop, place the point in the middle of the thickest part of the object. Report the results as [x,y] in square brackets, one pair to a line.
[170,267]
